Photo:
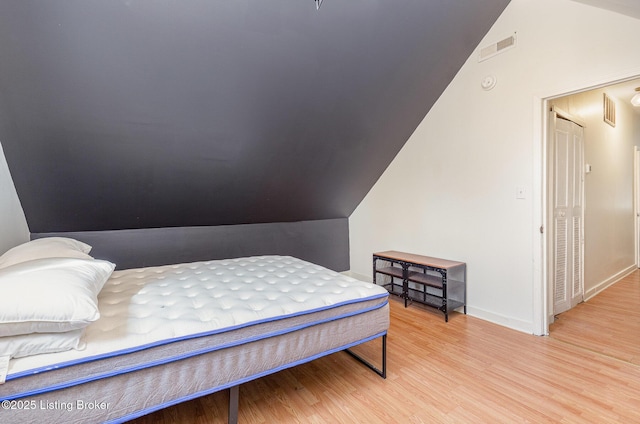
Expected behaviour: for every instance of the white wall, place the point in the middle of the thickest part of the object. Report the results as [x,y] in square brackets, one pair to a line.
[13,225]
[451,191]
[609,214]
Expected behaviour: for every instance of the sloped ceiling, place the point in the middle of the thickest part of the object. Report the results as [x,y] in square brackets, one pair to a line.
[149,113]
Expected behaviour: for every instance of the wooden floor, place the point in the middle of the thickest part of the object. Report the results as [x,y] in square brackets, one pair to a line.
[463,371]
[609,323]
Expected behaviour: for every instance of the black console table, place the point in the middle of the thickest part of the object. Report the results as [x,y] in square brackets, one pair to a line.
[435,282]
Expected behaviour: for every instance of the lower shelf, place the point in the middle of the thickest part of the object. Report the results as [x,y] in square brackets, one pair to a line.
[434,301]
[394,288]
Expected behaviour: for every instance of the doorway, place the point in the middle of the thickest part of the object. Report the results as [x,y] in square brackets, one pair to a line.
[609,246]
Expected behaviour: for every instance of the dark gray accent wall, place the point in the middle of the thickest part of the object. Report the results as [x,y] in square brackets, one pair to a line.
[147,114]
[324,242]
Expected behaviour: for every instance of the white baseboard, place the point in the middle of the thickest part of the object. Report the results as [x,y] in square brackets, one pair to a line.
[509,322]
[357,276]
[515,324]
[588,294]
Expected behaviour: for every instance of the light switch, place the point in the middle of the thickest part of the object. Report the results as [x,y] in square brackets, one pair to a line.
[521,192]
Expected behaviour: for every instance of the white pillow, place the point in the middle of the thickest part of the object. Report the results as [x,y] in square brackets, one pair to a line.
[51,295]
[35,344]
[49,247]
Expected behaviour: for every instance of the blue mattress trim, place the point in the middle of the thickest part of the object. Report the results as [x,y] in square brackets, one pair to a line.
[158,407]
[79,381]
[185,337]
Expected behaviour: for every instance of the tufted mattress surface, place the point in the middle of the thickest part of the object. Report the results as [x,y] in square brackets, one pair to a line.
[157,306]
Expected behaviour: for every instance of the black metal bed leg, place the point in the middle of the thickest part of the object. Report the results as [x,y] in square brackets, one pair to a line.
[384,357]
[234,396]
[381,372]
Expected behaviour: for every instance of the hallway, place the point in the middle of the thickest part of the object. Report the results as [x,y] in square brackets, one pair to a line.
[608,323]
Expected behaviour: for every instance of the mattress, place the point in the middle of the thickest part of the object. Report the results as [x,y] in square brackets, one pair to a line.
[171,333]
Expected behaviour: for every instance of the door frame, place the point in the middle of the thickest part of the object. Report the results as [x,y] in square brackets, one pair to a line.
[636,202]
[540,107]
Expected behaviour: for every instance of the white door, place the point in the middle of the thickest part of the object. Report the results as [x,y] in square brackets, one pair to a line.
[567,179]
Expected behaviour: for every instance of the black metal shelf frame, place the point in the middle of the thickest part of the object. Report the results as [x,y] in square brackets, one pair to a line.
[429,279]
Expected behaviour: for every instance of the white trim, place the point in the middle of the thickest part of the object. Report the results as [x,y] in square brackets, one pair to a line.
[594,84]
[609,282]
[505,321]
[357,276]
[636,203]
[566,115]
[540,324]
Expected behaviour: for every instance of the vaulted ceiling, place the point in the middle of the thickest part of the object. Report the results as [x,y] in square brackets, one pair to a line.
[143,113]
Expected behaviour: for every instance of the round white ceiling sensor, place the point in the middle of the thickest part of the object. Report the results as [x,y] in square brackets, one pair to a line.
[488,82]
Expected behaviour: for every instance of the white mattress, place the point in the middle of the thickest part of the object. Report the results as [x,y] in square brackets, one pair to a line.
[148,307]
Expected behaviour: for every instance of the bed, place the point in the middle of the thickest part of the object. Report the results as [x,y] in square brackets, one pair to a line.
[167,334]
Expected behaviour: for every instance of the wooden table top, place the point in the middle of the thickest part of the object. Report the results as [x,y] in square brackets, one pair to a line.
[419,259]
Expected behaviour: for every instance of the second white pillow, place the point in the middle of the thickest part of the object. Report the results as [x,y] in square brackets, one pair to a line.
[48,247]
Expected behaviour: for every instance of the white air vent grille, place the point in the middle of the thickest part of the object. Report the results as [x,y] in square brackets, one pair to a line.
[495,48]
[609,107]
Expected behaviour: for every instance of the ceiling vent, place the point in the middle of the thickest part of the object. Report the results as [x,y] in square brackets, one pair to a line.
[495,48]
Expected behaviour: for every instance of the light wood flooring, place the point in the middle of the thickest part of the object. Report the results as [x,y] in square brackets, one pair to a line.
[463,371]
[609,323]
